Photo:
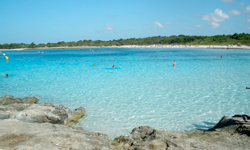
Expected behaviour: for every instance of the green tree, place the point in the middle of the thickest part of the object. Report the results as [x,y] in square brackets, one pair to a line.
[32,45]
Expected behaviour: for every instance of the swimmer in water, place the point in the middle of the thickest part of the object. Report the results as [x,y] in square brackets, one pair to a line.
[113,67]
[7,76]
[94,64]
[174,63]
[247,87]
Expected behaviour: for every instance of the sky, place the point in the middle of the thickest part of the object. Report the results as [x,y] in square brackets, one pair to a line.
[51,21]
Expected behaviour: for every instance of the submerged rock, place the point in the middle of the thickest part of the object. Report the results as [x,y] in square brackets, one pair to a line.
[8,99]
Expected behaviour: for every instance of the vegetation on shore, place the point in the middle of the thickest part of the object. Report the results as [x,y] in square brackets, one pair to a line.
[235,39]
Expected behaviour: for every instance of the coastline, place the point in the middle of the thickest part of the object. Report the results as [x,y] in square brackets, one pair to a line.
[27,124]
[191,46]
[136,46]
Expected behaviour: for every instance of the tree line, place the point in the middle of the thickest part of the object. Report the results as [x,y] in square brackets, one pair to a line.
[235,39]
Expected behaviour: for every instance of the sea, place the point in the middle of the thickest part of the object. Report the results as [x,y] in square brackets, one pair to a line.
[144,88]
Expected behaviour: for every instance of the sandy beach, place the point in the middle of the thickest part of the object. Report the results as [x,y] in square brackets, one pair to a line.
[139,46]
[190,46]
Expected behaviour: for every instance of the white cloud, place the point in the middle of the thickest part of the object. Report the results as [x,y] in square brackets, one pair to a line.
[215,24]
[227,1]
[198,26]
[214,18]
[109,27]
[234,12]
[158,24]
[219,16]
[248,10]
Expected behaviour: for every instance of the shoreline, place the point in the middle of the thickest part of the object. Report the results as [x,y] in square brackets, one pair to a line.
[27,124]
[137,46]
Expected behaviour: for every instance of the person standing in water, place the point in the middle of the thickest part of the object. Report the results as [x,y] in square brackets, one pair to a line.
[7,76]
[174,63]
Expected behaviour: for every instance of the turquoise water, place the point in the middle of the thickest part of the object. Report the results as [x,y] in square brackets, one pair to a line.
[146,90]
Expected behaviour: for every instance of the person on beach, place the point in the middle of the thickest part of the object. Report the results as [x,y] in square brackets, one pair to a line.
[7,76]
[247,87]
[174,63]
[113,67]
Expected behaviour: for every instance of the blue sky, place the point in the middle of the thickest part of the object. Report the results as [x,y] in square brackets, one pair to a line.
[44,21]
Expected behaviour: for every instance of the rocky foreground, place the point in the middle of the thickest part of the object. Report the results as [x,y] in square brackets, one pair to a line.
[26,124]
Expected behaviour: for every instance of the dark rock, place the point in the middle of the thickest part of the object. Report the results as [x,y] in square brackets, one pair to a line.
[143,137]
[237,123]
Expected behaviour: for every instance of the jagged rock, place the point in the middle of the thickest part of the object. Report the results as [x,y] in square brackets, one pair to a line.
[4,115]
[8,99]
[22,109]
[237,123]
[76,115]
[27,125]
[144,137]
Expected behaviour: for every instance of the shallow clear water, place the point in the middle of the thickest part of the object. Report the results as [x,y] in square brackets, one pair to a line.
[147,90]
